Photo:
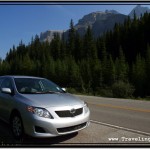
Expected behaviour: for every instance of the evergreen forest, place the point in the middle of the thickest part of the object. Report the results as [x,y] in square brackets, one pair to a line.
[116,64]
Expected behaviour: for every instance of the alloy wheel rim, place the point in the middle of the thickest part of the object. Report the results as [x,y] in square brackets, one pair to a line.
[17,126]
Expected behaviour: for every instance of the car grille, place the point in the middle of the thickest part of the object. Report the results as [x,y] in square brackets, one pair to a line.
[67,113]
[72,128]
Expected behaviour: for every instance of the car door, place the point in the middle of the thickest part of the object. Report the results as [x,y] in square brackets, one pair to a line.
[6,100]
[1,79]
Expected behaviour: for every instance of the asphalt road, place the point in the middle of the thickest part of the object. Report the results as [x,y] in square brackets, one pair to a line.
[124,113]
[114,122]
[95,135]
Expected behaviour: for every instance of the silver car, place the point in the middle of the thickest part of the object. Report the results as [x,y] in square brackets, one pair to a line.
[40,108]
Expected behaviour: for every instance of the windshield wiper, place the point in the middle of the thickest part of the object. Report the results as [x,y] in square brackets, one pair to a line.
[50,92]
[54,91]
[43,92]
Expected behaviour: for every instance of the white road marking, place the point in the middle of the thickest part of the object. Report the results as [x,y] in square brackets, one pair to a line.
[122,128]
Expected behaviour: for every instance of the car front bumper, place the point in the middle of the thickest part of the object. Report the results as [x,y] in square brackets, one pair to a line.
[36,126]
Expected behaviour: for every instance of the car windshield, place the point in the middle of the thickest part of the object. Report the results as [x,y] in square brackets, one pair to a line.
[36,86]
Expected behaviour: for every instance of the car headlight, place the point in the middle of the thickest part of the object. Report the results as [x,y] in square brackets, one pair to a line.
[86,109]
[41,112]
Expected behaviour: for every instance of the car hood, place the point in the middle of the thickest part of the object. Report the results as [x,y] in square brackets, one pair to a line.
[53,100]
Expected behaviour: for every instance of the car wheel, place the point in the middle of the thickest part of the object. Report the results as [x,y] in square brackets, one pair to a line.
[17,126]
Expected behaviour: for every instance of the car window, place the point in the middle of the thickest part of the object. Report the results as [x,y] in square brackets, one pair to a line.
[1,81]
[49,86]
[33,86]
[25,85]
[6,83]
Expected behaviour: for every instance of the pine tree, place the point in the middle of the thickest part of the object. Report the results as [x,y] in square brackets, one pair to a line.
[97,78]
[5,68]
[111,71]
[148,70]
[90,50]
[27,65]
[71,39]
[86,75]
[104,63]
[56,47]
[74,74]
[122,67]
[78,53]
[139,76]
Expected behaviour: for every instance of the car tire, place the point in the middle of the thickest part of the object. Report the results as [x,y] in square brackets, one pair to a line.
[17,126]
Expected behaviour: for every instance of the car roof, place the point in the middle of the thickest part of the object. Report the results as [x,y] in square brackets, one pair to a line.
[19,76]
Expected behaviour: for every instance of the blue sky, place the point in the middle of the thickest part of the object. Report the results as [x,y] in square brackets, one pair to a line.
[22,22]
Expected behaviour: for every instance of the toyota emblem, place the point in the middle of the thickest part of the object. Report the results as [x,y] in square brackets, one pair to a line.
[72,111]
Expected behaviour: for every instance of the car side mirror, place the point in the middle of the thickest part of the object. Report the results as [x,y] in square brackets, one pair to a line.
[64,89]
[6,90]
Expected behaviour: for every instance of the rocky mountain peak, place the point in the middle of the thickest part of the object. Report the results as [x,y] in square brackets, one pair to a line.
[97,15]
[49,35]
[112,11]
[138,10]
[90,19]
[99,21]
